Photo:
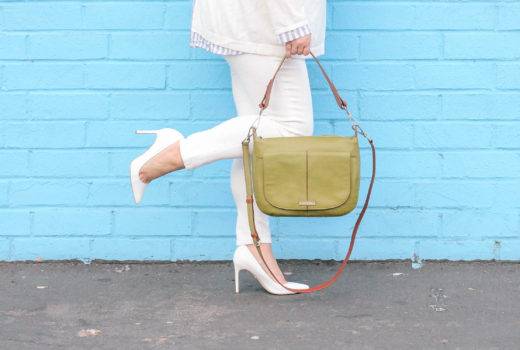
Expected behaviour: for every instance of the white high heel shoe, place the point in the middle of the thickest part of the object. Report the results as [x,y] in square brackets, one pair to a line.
[164,138]
[243,259]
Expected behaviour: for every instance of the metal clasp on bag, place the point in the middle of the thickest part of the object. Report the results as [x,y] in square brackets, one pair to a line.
[251,132]
[355,125]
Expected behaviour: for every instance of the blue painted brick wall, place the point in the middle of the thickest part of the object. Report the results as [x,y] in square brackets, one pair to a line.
[437,85]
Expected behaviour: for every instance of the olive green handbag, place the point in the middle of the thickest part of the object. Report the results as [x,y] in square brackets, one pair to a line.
[306,176]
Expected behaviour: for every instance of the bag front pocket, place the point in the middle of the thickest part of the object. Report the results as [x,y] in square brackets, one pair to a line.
[306,180]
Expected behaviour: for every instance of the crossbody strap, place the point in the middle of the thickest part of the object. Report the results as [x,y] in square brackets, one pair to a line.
[249,183]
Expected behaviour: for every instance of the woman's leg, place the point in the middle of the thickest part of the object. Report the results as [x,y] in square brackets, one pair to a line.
[291,104]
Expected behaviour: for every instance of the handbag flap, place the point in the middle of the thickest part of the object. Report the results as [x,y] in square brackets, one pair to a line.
[306,180]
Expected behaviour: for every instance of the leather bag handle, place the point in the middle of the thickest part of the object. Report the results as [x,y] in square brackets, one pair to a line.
[267,96]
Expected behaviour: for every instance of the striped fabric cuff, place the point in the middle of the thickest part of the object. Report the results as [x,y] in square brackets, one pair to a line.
[294,34]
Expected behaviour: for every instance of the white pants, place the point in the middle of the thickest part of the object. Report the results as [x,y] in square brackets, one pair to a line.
[289,114]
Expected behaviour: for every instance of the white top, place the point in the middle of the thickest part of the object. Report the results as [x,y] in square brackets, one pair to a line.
[257,26]
[197,40]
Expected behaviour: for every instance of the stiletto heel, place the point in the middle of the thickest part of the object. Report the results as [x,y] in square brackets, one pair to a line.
[243,259]
[164,138]
[237,283]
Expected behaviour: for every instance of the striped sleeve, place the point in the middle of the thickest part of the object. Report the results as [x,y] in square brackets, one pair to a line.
[294,34]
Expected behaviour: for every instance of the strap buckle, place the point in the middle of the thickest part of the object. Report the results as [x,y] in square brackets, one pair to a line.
[355,125]
[251,132]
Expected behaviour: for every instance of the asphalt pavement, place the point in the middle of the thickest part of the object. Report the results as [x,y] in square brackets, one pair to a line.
[193,305]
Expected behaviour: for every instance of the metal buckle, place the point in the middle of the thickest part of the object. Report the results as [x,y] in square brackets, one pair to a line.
[355,125]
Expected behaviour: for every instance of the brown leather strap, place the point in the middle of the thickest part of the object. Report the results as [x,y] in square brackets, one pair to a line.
[265,100]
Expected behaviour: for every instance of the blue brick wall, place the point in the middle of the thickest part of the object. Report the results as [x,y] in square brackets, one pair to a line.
[437,85]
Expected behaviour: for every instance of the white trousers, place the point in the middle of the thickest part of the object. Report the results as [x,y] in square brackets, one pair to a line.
[289,114]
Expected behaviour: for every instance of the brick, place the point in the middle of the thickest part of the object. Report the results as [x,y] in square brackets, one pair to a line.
[389,193]
[479,224]
[152,221]
[506,135]
[178,15]
[509,249]
[70,163]
[390,106]
[326,108]
[323,128]
[380,248]
[214,193]
[399,46]
[220,169]
[340,45]
[123,15]
[199,249]
[405,223]
[149,46]
[508,14]
[43,134]
[199,75]
[44,76]
[49,248]
[4,193]
[481,46]
[454,194]
[398,164]
[469,135]
[12,46]
[312,227]
[220,223]
[41,16]
[71,222]
[377,76]
[372,15]
[394,135]
[4,249]
[14,106]
[74,46]
[125,76]
[73,106]
[212,105]
[143,106]
[309,248]
[508,76]
[118,192]
[316,79]
[481,164]
[48,192]
[454,16]
[457,249]
[480,75]
[16,163]
[480,106]
[131,248]
[15,222]
[119,134]
[506,196]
